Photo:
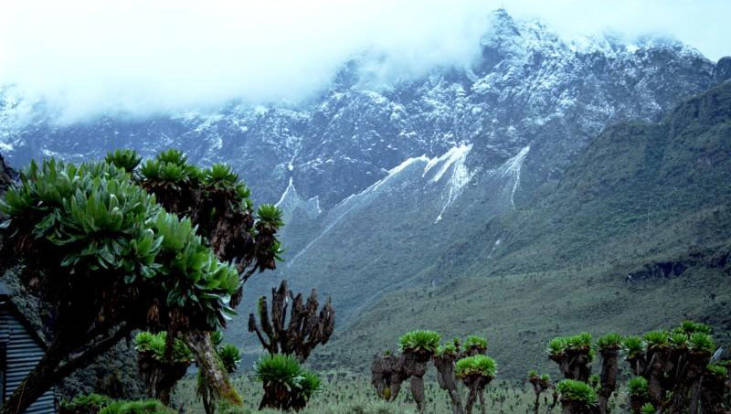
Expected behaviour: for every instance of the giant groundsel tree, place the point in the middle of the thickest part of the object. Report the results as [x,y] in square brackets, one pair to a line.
[109,250]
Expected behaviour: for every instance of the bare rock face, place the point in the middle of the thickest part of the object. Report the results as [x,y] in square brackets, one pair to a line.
[7,175]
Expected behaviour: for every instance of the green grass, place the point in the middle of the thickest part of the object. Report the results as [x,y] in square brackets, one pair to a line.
[346,393]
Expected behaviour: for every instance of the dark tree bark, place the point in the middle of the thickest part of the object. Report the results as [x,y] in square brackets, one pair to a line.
[306,328]
[610,369]
[447,380]
[207,360]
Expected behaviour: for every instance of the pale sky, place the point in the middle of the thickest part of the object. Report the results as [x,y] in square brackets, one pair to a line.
[141,57]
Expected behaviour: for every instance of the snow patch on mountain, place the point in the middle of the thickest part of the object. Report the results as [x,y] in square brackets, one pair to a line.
[512,168]
[291,201]
[460,175]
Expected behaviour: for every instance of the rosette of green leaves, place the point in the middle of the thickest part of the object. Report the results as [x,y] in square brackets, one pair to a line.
[481,365]
[633,345]
[195,279]
[717,370]
[125,159]
[170,166]
[610,341]
[447,349]
[657,339]
[94,215]
[420,339]
[230,357]
[578,391]
[691,327]
[270,216]
[285,370]
[155,343]
[475,342]
[637,386]
[701,342]
[648,408]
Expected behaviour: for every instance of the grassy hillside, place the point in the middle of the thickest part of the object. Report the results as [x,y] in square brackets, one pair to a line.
[641,196]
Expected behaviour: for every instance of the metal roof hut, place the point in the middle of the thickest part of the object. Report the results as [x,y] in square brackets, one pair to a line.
[20,350]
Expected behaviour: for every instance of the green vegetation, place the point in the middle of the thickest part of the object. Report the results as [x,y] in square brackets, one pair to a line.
[420,340]
[609,341]
[648,408]
[702,342]
[125,159]
[101,404]
[637,386]
[634,345]
[85,403]
[475,342]
[136,407]
[286,384]
[476,365]
[155,343]
[657,339]
[579,391]
[717,370]
[144,241]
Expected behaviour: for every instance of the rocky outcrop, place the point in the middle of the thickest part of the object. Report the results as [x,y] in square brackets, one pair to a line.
[7,175]
[719,259]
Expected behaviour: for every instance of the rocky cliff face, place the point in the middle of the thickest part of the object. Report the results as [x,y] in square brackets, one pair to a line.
[6,175]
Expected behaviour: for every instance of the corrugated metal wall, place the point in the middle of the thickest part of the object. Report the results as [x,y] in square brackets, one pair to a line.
[23,353]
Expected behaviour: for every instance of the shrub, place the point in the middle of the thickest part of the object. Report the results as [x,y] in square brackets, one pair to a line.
[137,407]
[230,357]
[690,327]
[476,365]
[420,339]
[477,342]
[609,341]
[678,339]
[286,384]
[447,349]
[579,391]
[717,370]
[155,343]
[85,404]
[647,408]
[270,214]
[633,345]
[701,342]
[220,175]
[557,346]
[125,159]
[656,339]
[637,386]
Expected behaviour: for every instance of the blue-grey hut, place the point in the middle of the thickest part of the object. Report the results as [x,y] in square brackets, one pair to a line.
[20,350]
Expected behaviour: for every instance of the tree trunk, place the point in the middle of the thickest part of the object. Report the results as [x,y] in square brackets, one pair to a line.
[207,360]
[448,381]
[417,390]
[608,378]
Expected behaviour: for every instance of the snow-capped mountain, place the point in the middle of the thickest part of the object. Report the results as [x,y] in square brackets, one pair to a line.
[483,138]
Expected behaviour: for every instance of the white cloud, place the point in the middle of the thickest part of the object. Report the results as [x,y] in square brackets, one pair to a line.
[94,56]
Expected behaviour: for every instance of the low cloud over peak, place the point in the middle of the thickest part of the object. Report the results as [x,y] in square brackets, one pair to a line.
[143,57]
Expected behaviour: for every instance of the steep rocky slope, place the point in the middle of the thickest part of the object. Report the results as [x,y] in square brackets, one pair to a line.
[648,200]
